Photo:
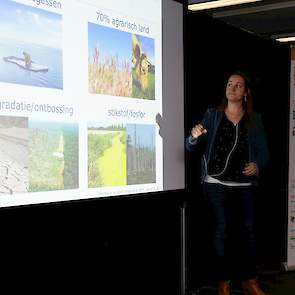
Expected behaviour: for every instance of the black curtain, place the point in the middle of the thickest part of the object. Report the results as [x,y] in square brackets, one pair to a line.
[214,50]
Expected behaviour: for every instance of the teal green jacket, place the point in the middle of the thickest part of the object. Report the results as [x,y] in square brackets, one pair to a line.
[258,151]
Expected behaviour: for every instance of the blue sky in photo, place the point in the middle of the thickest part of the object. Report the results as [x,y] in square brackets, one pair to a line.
[21,22]
[145,134]
[49,125]
[111,42]
[148,47]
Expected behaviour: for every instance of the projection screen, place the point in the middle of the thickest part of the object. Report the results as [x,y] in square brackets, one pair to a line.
[91,99]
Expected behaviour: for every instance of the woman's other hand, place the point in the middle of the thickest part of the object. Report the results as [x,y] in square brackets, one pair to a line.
[251,169]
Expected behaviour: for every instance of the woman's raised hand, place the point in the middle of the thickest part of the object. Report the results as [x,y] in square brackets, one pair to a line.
[198,130]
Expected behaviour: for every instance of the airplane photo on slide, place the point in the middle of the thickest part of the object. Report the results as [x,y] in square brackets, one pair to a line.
[30,46]
[120,63]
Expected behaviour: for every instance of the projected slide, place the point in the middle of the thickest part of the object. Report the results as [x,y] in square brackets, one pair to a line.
[81,86]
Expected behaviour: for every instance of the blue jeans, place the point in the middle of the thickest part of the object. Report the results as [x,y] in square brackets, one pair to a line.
[232,215]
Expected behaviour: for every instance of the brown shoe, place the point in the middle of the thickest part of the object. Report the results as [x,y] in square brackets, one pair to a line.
[251,287]
[223,288]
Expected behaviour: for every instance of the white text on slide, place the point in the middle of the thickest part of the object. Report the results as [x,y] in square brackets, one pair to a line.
[124,24]
[126,113]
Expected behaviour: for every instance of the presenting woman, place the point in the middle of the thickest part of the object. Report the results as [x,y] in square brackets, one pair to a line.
[235,151]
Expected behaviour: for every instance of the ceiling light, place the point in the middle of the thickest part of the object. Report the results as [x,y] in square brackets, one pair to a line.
[216,4]
[286,39]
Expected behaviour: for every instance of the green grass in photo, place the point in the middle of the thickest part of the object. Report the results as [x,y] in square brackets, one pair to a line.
[45,170]
[71,156]
[106,158]
[113,163]
[136,89]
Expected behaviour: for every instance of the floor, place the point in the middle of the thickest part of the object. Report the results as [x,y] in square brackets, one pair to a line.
[272,282]
[279,283]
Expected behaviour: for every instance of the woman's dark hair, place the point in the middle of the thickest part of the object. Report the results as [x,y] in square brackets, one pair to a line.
[247,104]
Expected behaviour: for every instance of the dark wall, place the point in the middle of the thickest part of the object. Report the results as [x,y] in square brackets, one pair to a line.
[214,50]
